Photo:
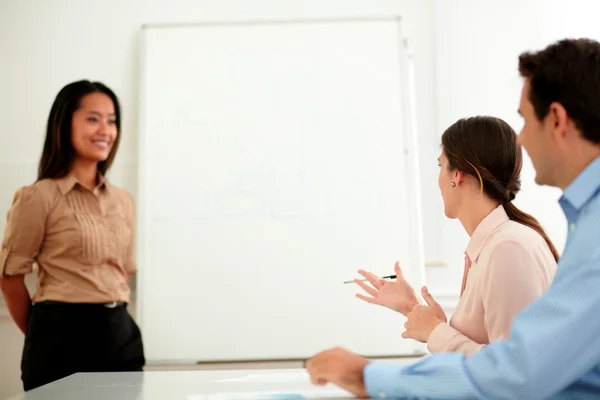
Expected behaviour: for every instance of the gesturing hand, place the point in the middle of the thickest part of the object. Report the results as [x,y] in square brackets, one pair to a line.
[422,320]
[396,295]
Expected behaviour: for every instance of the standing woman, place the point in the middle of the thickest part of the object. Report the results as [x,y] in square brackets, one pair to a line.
[79,230]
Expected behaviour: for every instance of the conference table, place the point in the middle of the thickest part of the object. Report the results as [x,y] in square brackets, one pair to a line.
[187,385]
[274,384]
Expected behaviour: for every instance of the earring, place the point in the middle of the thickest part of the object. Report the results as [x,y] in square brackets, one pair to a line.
[453,184]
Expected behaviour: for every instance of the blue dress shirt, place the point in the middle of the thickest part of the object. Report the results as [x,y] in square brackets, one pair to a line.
[554,348]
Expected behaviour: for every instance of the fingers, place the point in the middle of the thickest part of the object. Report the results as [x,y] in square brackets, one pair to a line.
[428,298]
[432,303]
[367,299]
[398,270]
[410,317]
[316,380]
[409,324]
[375,281]
[312,366]
[319,366]
[366,288]
[380,280]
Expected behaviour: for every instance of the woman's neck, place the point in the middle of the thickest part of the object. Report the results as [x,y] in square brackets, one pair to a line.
[475,211]
[86,173]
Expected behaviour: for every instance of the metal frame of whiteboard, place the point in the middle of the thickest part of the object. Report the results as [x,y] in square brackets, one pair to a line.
[406,66]
[412,152]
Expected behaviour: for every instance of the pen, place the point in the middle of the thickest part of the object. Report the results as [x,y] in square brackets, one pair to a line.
[383,277]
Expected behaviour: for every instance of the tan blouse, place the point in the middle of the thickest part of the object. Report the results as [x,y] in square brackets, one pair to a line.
[82,240]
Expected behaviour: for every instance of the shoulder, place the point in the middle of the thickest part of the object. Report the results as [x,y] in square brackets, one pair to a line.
[39,193]
[588,217]
[583,243]
[33,201]
[121,195]
[517,248]
[516,236]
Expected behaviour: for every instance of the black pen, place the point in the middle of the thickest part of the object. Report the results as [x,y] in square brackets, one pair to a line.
[383,277]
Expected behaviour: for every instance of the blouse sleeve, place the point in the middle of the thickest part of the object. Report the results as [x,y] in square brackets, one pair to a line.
[24,232]
[445,338]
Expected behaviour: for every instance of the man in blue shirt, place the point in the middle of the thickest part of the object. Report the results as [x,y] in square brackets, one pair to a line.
[554,346]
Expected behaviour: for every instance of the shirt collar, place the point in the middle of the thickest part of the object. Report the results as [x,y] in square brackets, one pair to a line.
[584,186]
[484,230]
[67,183]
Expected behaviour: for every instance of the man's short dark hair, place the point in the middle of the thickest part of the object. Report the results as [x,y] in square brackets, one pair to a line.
[566,72]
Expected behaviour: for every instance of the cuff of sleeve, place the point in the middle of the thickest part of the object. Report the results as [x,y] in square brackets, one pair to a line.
[131,268]
[440,338]
[378,375]
[13,265]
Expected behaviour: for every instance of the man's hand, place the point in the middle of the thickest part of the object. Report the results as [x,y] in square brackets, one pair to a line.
[340,367]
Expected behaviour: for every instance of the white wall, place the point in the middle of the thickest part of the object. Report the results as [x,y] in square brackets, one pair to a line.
[64,40]
[477,48]
[46,44]
[466,59]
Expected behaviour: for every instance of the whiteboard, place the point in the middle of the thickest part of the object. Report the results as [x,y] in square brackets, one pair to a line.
[276,159]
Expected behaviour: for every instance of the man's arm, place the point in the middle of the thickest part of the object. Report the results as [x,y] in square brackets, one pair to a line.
[553,343]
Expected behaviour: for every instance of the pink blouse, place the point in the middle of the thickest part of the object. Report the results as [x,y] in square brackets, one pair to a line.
[507,266]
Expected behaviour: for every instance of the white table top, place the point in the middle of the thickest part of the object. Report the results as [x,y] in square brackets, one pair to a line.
[201,385]
[180,385]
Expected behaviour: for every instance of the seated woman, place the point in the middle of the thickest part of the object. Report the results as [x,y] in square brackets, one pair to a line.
[509,260]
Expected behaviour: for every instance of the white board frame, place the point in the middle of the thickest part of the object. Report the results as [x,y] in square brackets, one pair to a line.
[411,153]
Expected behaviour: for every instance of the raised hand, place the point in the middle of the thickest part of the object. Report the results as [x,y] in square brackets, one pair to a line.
[396,295]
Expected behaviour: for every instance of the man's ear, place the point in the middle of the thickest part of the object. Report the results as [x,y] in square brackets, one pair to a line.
[557,121]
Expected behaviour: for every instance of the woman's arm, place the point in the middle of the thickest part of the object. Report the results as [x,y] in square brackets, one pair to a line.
[23,237]
[512,280]
[17,299]
[445,338]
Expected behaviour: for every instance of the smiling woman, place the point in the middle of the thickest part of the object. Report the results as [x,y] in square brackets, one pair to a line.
[79,229]
[82,133]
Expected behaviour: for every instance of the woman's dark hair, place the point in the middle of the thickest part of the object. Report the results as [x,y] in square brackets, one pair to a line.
[487,149]
[58,154]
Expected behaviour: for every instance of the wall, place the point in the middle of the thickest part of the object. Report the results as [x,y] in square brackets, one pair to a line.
[65,40]
[44,45]
[477,48]
[466,58]
[11,346]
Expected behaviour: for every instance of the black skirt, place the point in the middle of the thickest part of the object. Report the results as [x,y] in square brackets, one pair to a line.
[66,338]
